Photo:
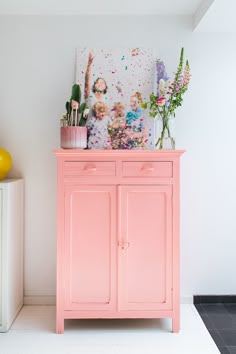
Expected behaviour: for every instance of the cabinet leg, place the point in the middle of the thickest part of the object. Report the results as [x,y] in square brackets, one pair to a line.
[176,324]
[60,326]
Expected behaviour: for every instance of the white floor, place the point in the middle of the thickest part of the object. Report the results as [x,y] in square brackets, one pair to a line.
[33,332]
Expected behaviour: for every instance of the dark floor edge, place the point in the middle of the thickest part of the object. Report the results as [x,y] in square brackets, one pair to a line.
[206,299]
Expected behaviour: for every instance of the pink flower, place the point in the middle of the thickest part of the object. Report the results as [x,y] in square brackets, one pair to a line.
[187,75]
[74,105]
[161,101]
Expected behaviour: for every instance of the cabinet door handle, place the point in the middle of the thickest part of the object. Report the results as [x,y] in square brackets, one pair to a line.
[124,245]
[90,168]
[147,169]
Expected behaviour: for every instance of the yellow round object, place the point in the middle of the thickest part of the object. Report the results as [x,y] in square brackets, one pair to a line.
[5,163]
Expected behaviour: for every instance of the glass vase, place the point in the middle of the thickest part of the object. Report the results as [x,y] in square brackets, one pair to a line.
[165,134]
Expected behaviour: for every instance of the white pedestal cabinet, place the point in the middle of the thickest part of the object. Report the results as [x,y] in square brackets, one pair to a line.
[11,251]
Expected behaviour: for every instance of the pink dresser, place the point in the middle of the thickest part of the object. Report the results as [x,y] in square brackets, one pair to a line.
[118,235]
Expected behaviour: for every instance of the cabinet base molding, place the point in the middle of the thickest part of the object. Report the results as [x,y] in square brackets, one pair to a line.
[120,314]
[117,315]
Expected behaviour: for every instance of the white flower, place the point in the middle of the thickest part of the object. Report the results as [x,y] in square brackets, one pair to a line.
[86,112]
[162,88]
[64,116]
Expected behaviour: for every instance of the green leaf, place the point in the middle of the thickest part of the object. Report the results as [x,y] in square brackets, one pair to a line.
[144,105]
[82,107]
[76,93]
[82,121]
[68,107]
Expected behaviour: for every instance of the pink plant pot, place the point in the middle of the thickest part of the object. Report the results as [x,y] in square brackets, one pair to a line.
[73,137]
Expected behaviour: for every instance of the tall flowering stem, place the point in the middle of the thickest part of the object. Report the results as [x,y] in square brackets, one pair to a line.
[169,96]
[179,85]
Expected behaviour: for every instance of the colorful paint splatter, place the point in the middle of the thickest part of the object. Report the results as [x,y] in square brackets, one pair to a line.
[129,75]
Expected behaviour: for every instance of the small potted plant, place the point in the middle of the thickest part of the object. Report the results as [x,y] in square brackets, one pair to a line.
[73,130]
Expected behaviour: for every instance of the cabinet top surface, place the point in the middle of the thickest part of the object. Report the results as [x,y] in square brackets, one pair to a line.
[116,153]
[10,180]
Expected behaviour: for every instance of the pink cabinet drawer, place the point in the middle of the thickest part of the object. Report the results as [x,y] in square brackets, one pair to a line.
[147,169]
[89,168]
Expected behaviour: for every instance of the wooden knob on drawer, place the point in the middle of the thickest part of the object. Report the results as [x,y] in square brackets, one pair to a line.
[147,169]
[90,168]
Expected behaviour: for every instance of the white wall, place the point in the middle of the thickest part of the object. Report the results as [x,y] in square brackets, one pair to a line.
[37,57]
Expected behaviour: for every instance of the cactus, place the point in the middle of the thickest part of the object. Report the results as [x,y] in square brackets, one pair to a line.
[75,96]
[72,116]
[76,93]
[68,112]
[83,119]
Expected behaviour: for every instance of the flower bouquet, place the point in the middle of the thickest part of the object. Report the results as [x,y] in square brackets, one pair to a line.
[168,97]
[127,137]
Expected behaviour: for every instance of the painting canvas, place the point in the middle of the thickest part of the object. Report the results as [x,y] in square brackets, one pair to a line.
[115,82]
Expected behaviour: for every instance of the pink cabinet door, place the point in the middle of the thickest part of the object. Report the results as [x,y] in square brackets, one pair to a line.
[145,247]
[90,247]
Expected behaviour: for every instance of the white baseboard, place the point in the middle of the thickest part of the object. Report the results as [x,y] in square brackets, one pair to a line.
[187,299]
[39,300]
[51,300]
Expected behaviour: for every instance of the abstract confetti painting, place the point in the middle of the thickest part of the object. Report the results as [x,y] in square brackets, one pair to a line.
[128,73]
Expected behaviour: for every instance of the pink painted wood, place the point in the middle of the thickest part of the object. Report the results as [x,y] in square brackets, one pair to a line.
[118,235]
[145,260]
[90,245]
[73,137]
